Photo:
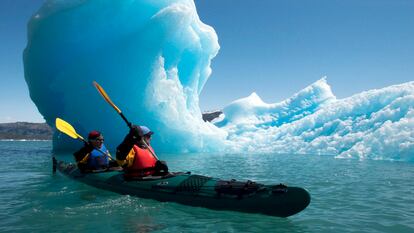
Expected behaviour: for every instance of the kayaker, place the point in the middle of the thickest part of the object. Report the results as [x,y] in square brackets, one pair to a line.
[93,155]
[137,156]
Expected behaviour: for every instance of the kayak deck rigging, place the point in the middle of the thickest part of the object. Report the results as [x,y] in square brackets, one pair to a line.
[198,190]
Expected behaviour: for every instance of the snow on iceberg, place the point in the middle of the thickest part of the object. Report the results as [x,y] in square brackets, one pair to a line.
[153,58]
[377,124]
[252,110]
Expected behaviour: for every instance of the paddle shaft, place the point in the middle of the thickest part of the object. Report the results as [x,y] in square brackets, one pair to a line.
[104,153]
[126,121]
[68,129]
[129,124]
[109,101]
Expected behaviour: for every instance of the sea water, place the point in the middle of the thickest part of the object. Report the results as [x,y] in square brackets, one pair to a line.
[348,195]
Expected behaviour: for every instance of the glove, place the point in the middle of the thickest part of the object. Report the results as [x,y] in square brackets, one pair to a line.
[80,154]
[88,147]
[133,137]
[135,134]
[136,131]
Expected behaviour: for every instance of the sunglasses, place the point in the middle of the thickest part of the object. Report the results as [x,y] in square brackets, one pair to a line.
[98,139]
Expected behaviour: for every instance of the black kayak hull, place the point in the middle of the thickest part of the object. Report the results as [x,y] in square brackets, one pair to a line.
[200,191]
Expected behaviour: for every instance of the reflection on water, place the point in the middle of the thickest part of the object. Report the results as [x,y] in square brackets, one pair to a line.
[347,195]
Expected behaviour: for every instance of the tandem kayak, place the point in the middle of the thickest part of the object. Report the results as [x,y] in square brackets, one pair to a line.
[197,190]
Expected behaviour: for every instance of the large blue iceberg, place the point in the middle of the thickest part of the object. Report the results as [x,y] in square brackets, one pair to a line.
[153,58]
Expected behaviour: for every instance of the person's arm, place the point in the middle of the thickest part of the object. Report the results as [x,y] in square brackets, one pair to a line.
[123,149]
[83,152]
[82,155]
[134,135]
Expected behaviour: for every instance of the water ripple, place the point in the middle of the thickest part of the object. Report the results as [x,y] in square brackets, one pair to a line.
[347,196]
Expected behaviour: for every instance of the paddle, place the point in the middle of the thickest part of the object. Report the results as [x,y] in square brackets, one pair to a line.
[68,129]
[109,101]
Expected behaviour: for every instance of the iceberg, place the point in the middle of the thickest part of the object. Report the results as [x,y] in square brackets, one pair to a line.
[153,58]
[375,124]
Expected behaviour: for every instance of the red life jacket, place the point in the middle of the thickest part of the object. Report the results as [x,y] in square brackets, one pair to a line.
[143,165]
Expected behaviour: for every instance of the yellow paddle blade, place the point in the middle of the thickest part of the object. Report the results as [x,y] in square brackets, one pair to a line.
[106,97]
[67,129]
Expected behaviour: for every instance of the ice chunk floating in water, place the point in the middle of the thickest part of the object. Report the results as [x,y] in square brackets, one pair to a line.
[377,124]
[153,58]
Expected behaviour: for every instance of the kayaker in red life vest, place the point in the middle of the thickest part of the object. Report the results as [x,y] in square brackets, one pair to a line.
[92,155]
[136,158]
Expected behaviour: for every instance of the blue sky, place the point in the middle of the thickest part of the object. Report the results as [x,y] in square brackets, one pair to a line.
[272,47]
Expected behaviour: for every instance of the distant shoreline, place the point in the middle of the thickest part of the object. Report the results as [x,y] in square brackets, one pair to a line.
[26,131]
[24,140]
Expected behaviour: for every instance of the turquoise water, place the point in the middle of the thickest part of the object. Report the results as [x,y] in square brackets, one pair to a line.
[347,195]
